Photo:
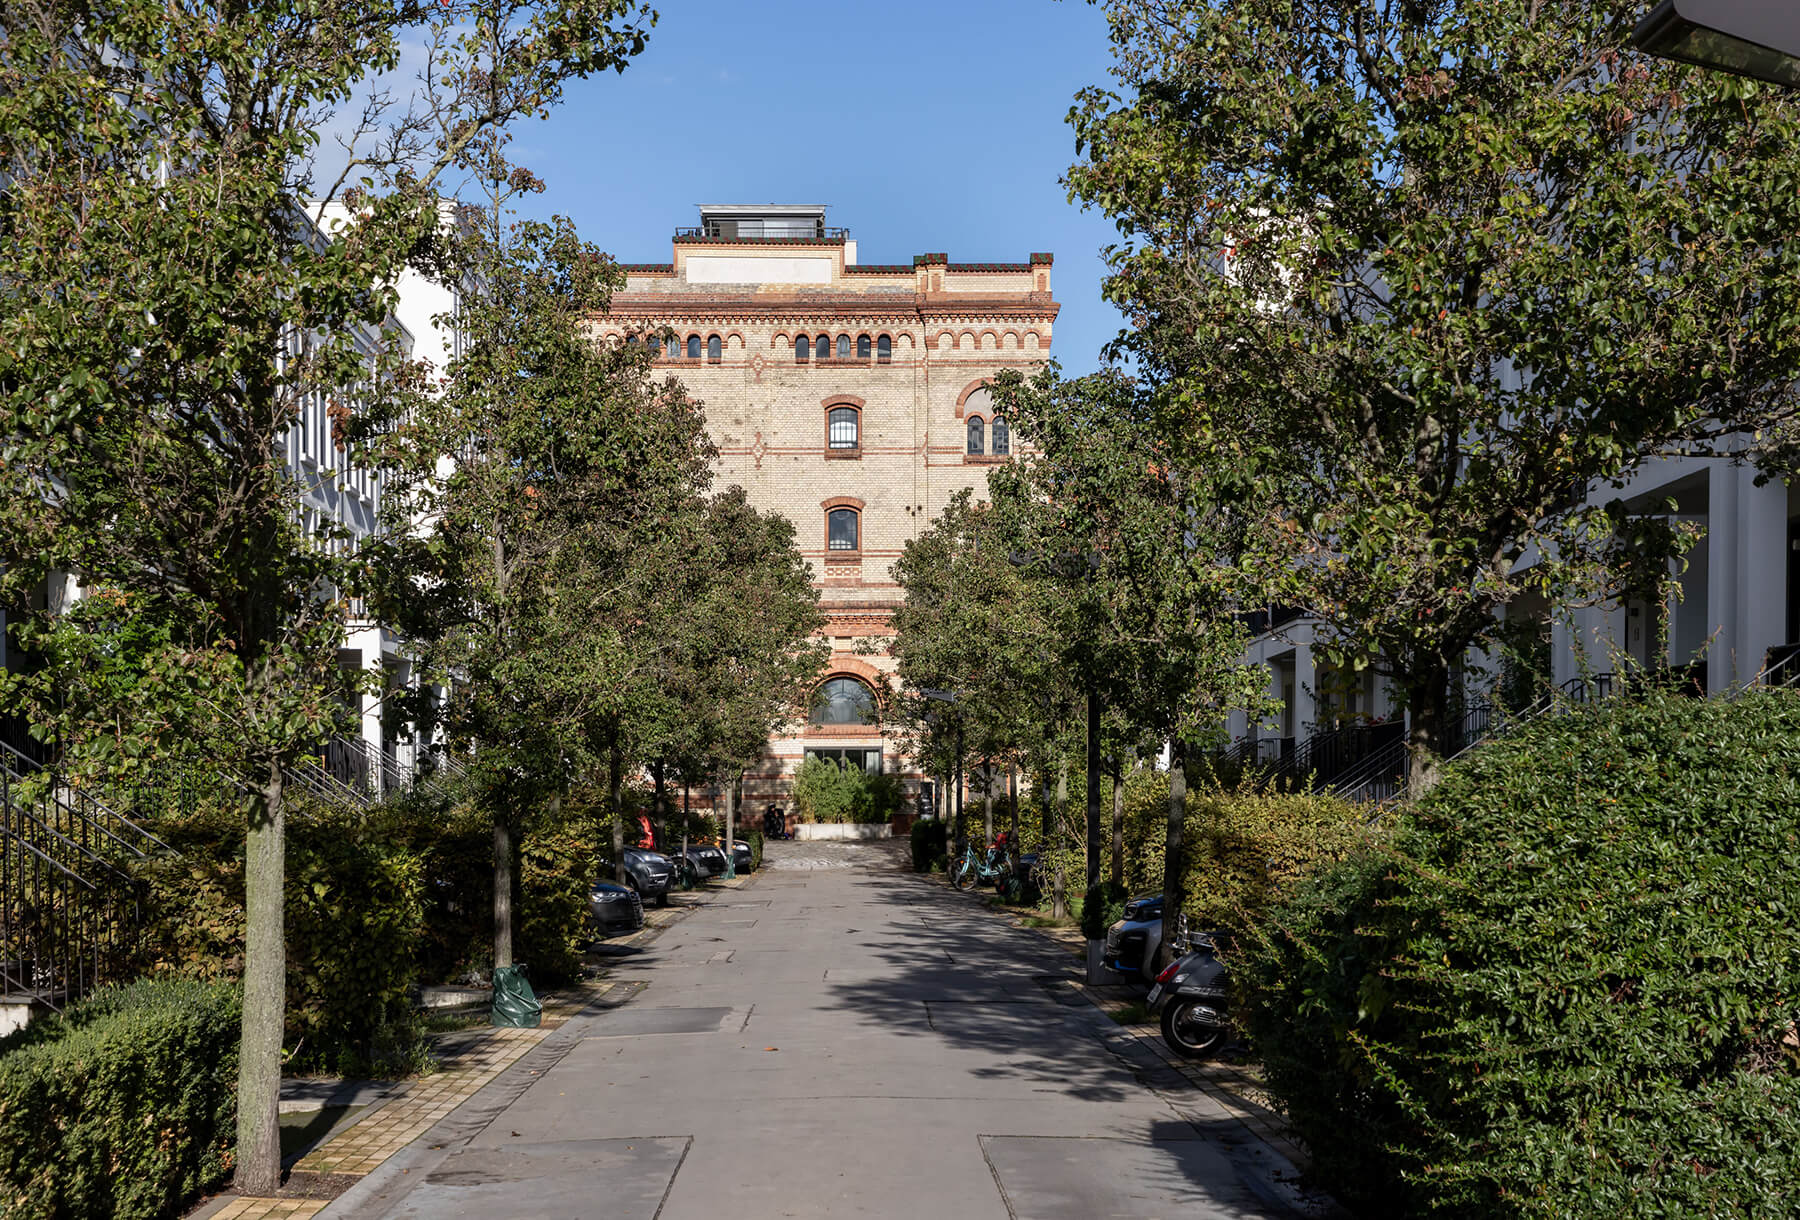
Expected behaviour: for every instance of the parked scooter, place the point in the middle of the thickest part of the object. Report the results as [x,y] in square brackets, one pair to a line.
[1192,996]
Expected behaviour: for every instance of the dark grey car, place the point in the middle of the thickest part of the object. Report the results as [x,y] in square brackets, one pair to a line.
[615,908]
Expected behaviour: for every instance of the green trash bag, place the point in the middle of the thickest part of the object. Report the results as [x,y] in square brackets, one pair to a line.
[515,1003]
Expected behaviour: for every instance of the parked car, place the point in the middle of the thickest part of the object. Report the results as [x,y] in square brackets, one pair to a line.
[1131,944]
[708,861]
[742,858]
[650,873]
[615,908]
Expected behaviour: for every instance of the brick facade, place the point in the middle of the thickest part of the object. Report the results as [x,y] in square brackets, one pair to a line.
[949,327]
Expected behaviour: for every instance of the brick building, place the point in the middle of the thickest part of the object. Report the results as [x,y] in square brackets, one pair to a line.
[849,398]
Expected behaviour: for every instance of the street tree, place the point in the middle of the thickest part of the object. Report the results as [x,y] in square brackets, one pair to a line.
[551,475]
[1429,278]
[167,307]
[1139,561]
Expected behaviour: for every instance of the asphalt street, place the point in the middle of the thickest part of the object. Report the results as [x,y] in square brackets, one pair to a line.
[840,1038]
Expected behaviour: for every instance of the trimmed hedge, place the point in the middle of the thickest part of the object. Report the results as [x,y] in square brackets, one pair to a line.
[929,848]
[124,1107]
[1571,987]
[755,839]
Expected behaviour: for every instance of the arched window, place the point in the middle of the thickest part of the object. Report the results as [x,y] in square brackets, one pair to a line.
[693,347]
[843,347]
[822,348]
[842,701]
[975,434]
[841,529]
[802,349]
[1002,437]
[674,348]
[884,349]
[841,428]
[714,349]
[862,347]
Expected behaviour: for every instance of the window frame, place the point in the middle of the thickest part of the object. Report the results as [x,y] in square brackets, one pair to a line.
[1000,437]
[715,349]
[884,349]
[854,415]
[854,515]
[822,348]
[693,347]
[976,437]
[802,348]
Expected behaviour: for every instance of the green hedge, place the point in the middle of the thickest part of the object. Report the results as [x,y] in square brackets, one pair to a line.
[124,1107]
[755,839]
[824,791]
[1570,987]
[355,914]
[928,845]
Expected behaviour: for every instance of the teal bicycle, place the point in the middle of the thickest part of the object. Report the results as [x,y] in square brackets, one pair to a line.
[972,869]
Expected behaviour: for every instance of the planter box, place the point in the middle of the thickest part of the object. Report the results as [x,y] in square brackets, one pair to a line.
[843,830]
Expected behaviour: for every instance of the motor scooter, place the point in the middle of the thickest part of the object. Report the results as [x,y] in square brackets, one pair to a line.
[1192,995]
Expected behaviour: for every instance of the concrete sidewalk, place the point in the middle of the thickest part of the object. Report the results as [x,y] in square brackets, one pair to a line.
[840,1038]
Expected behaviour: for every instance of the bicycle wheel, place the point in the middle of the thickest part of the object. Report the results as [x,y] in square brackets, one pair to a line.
[962,875]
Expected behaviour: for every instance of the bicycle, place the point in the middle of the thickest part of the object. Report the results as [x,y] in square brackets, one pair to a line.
[972,870]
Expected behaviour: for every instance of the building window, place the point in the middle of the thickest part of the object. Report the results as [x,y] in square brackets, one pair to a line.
[842,701]
[674,348]
[868,761]
[802,349]
[822,348]
[715,348]
[976,436]
[1002,437]
[693,347]
[841,427]
[862,347]
[843,347]
[884,349]
[841,529]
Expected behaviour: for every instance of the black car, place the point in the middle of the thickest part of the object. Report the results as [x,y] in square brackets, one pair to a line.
[742,858]
[708,861]
[650,873]
[615,908]
[1131,944]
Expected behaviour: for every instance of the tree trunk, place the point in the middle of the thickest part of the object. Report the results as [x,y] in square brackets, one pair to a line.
[258,1170]
[987,802]
[731,798]
[1047,811]
[503,883]
[615,791]
[1118,825]
[1095,843]
[661,790]
[1174,858]
[956,825]
[1059,904]
[1428,735]
[1012,802]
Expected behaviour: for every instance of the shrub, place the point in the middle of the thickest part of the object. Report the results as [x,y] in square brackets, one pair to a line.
[558,866]
[824,791]
[755,839]
[125,1107]
[929,849]
[1569,989]
[1102,907]
[355,915]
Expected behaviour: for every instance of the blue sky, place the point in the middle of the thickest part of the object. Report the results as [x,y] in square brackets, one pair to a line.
[926,126]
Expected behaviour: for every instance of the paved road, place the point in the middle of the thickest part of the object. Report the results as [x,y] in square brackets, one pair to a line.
[837,1039]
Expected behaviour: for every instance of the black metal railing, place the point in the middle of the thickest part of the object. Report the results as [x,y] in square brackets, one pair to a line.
[728,231]
[1781,667]
[71,906]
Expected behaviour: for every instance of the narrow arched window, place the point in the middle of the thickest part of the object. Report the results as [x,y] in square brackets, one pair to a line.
[862,347]
[841,428]
[1002,437]
[693,347]
[840,529]
[822,348]
[843,347]
[976,434]
[674,348]
[802,349]
[884,349]
[714,348]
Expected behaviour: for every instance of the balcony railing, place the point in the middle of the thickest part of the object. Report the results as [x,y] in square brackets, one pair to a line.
[718,232]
